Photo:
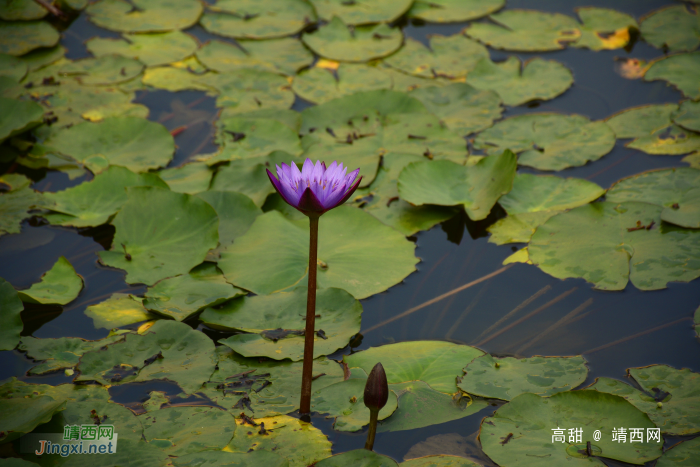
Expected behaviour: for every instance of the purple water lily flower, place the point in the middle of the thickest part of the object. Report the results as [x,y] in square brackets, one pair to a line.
[316,189]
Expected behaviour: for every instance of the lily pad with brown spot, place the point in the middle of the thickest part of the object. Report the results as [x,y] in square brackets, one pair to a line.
[252,19]
[653,130]
[604,28]
[526,31]
[343,42]
[517,83]
[450,57]
[549,141]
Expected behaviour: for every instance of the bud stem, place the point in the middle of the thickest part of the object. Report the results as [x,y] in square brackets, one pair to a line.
[309,334]
[373,416]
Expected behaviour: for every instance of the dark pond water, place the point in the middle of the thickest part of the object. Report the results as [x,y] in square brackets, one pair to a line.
[613,330]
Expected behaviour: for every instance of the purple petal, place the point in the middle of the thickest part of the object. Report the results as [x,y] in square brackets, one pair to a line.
[336,195]
[350,191]
[307,169]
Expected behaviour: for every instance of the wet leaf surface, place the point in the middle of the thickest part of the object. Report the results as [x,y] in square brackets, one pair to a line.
[184,356]
[609,244]
[676,390]
[529,419]
[676,190]
[164,234]
[339,41]
[340,316]
[549,141]
[448,57]
[60,285]
[517,83]
[10,321]
[150,15]
[676,27]
[446,183]
[436,363]
[526,31]
[653,131]
[356,267]
[680,71]
[508,377]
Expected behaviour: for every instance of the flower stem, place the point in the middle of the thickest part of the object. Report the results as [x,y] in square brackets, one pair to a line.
[309,334]
[373,415]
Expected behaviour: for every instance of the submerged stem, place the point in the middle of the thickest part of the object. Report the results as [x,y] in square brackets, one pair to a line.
[305,404]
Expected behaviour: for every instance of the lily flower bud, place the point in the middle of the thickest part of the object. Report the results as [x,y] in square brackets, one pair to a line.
[376,389]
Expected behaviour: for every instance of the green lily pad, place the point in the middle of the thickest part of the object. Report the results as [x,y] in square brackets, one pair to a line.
[688,116]
[264,388]
[59,353]
[449,57]
[131,142]
[676,390]
[182,355]
[339,41]
[451,11]
[236,213]
[526,31]
[297,441]
[339,320]
[608,244]
[604,28]
[285,56]
[144,15]
[10,321]
[118,310]
[680,71]
[421,406]
[185,430]
[246,90]
[675,27]
[175,79]
[357,458]
[462,108]
[508,377]
[250,19]
[319,85]
[93,203]
[653,131]
[685,454]
[21,10]
[436,363]
[42,57]
[676,190]
[362,11]
[190,178]
[289,117]
[439,461]
[405,82]
[477,188]
[149,49]
[13,208]
[693,159]
[528,420]
[100,71]
[225,458]
[137,453]
[13,67]
[345,402]
[18,38]
[517,83]
[517,228]
[250,180]
[72,103]
[549,141]
[60,285]
[245,138]
[15,181]
[164,234]
[381,199]
[20,415]
[534,193]
[18,116]
[362,255]
[181,296]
